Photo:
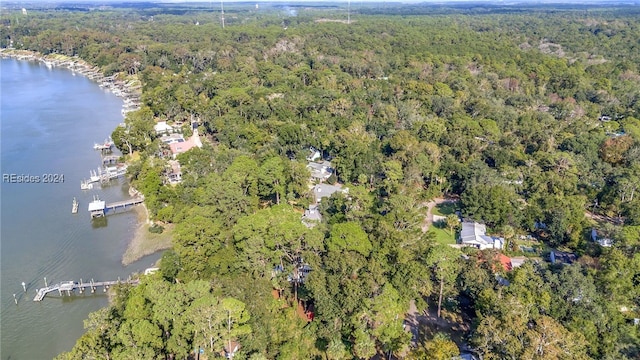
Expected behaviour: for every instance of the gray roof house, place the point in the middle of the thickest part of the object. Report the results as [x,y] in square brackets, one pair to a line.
[311,216]
[474,234]
[321,191]
[320,171]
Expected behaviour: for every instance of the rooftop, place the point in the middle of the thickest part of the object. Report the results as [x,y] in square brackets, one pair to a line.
[180,147]
[320,171]
[561,257]
[474,234]
[173,138]
[162,126]
[321,191]
[97,205]
[311,216]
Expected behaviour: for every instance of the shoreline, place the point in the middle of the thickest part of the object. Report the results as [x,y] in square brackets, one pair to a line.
[129,91]
[144,242]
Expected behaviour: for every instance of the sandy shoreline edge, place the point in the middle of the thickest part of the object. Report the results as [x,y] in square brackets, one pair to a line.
[143,242]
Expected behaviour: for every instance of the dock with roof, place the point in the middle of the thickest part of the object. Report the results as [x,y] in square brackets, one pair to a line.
[100,208]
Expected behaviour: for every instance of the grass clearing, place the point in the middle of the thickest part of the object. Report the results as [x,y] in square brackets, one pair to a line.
[442,234]
[445,208]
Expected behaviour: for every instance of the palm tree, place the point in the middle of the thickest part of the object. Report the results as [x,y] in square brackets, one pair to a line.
[508,233]
[453,222]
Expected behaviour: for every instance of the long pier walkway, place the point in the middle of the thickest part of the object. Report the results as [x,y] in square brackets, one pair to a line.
[69,286]
[123,204]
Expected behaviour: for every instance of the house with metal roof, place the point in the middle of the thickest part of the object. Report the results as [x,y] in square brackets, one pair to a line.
[475,234]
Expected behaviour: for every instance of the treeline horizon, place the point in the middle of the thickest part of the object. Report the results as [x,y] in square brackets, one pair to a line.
[530,119]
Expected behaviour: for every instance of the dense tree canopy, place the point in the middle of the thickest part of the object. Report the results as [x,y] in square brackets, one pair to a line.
[527,115]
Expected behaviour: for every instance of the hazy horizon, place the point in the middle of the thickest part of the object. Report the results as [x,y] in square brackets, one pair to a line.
[489,2]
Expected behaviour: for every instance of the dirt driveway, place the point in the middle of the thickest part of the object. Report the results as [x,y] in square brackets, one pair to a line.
[428,220]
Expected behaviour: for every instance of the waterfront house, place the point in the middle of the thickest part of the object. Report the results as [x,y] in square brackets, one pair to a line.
[174,172]
[173,138]
[180,147]
[184,146]
[163,128]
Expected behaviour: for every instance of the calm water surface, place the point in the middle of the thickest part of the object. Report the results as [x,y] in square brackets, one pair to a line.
[49,121]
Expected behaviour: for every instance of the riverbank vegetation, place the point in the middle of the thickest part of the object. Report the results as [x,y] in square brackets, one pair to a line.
[528,116]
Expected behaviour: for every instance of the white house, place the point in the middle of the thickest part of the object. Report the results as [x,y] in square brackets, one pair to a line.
[162,127]
[314,155]
[474,234]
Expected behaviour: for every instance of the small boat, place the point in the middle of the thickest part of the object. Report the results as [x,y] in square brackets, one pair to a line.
[74,209]
[108,143]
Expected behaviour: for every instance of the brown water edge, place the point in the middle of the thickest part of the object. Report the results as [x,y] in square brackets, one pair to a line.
[144,242]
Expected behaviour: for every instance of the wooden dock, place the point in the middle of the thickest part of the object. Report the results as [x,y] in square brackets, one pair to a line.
[71,286]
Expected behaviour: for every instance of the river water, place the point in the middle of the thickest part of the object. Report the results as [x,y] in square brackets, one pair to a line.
[49,122]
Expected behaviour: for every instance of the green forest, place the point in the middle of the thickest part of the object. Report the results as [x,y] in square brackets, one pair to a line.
[524,119]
